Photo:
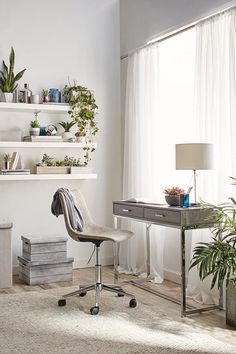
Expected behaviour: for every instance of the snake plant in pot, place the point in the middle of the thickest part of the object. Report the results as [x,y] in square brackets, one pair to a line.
[8,80]
[218,256]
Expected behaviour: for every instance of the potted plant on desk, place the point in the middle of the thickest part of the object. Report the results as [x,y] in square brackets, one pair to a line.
[218,256]
[172,195]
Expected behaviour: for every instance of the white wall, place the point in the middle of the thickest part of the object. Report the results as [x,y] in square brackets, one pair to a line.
[142,20]
[54,40]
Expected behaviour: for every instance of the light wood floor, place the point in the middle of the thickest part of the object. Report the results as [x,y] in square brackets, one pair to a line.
[214,321]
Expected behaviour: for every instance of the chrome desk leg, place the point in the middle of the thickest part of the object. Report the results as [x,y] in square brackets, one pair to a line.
[148,226]
[116,250]
[183,274]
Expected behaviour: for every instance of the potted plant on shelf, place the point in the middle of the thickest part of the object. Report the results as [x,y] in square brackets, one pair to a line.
[7,160]
[34,128]
[66,135]
[172,195]
[8,80]
[51,166]
[218,256]
[45,96]
[83,109]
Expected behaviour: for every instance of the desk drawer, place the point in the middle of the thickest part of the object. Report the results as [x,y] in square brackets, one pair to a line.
[162,216]
[128,210]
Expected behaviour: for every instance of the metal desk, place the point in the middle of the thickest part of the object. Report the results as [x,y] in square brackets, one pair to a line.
[175,217]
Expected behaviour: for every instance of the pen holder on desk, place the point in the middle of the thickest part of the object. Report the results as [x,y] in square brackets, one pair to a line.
[184,200]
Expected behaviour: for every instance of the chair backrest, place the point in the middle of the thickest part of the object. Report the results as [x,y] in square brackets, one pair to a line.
[82,207]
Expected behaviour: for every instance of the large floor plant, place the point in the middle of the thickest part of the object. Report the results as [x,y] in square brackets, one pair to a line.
[218,256]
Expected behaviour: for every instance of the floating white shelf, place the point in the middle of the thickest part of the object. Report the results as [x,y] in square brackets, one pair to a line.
[23,144]
[39,177]
[28,107]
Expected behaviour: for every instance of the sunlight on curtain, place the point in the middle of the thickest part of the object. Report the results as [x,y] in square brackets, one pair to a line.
[159,114]
[215,120]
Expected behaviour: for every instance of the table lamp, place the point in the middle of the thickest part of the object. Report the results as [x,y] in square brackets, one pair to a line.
[194,156]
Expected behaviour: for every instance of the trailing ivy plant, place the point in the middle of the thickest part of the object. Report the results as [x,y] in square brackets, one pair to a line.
[83,109]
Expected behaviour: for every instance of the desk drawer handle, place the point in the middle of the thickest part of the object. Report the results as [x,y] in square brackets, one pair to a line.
[159,215]
[126,210]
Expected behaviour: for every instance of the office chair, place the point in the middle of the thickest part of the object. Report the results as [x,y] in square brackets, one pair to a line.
[96,235]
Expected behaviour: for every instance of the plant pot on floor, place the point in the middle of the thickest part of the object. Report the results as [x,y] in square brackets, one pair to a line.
[231,303]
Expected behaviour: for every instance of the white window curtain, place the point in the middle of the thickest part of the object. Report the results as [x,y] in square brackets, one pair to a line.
[141,171]
[215,121]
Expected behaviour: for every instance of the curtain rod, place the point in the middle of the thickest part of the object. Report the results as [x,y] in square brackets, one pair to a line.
[178,31]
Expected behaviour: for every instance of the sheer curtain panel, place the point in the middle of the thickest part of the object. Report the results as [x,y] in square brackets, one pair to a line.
[215,121]
[140,172]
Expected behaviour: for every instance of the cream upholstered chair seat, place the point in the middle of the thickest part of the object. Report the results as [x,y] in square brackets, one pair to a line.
[94,234]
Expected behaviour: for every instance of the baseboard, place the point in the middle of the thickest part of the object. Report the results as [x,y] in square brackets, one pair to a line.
[79,263]
[172,276]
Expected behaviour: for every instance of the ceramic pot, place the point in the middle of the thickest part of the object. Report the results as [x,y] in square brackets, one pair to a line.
[172,200]
[81,139]
[66,136]
[231,304]
[34,131]
[8,97]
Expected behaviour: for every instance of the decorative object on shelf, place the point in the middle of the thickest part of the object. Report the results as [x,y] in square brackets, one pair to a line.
[7,160]
[8,80]
[48,165]
[44,138]
[172,195]
[66,135]
[218,257]
[20,171]
[54,95]
[14,160]
[80,137]
[194,156]
[10,135]
[83,109]
[34,128]
[50,130]
[35,99]
[45,96]
[27,94]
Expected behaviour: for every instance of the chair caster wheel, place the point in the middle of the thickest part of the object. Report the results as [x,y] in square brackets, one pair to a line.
[83,294]
[62,302]
[133,303]
[94,310]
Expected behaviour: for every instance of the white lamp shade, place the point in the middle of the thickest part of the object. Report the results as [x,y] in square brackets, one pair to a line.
[196,156]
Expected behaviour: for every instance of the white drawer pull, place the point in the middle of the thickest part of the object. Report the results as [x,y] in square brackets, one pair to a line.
[126,210]
[159,215]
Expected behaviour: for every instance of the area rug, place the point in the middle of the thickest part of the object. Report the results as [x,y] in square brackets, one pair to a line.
[33,323]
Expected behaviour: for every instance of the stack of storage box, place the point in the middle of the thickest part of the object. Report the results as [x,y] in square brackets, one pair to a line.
[44,260]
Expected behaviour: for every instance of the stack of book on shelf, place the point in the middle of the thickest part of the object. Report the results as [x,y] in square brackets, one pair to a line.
[18,171]
[43,138]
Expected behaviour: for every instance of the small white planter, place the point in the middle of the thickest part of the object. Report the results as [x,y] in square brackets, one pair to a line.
[8,97]
[34,131]
[66,136]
